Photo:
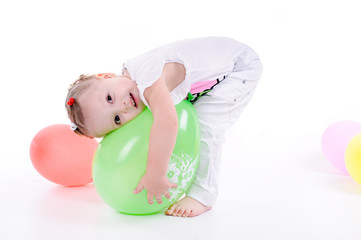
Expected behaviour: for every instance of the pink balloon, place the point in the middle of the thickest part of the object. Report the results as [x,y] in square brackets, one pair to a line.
[63,157]
[335,140]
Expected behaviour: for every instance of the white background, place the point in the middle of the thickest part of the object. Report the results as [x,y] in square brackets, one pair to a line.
[275,183]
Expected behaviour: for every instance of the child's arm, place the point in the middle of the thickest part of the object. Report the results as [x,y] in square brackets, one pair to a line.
[163,136]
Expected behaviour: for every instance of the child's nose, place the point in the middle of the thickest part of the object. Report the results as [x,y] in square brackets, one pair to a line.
[125,106]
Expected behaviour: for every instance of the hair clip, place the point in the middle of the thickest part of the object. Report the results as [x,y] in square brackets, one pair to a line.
[73,126]
[71,101]
[105,75]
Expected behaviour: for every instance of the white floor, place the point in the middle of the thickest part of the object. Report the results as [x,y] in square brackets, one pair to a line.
[270,189]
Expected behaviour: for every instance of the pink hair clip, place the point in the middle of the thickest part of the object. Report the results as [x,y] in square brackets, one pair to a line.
[71,101]
[105,75]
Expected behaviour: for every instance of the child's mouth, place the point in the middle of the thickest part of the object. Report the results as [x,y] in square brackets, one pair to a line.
[132,100]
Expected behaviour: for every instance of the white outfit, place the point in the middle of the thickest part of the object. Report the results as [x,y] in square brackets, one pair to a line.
[235,67]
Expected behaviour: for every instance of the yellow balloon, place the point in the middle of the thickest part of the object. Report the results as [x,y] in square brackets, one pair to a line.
[353,158]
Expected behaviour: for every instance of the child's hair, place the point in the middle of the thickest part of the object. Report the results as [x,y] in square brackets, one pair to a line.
[75,114]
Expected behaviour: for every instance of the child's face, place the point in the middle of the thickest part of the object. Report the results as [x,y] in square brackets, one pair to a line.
[110,103]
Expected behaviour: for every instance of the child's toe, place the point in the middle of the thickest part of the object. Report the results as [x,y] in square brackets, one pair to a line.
[180,213]
[171,210]
[187,213]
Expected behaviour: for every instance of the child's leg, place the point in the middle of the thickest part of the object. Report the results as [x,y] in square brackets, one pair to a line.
[217,111]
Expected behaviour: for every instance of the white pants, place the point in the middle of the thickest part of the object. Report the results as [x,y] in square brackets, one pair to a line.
[217,111]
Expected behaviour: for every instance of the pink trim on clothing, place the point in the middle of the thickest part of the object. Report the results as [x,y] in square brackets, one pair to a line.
[199,87]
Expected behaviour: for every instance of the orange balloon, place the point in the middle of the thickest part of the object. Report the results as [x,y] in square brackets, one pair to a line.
[63,157]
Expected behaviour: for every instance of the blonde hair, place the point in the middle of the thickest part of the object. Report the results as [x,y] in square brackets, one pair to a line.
[75,114]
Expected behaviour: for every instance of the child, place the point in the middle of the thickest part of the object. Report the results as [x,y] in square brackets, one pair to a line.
[219,76]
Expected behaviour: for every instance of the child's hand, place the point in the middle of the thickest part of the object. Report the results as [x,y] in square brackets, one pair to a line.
[156,186]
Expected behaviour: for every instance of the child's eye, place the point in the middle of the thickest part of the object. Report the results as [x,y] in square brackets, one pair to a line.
[117,120]
[109,99]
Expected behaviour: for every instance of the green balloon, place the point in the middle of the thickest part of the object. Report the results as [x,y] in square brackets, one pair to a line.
[121,158]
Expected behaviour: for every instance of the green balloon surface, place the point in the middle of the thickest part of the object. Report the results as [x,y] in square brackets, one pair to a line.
[121,158]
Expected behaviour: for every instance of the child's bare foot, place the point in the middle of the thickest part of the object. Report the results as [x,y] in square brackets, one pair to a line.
[187,207]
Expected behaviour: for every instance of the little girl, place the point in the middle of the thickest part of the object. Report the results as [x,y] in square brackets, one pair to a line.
[218,75]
